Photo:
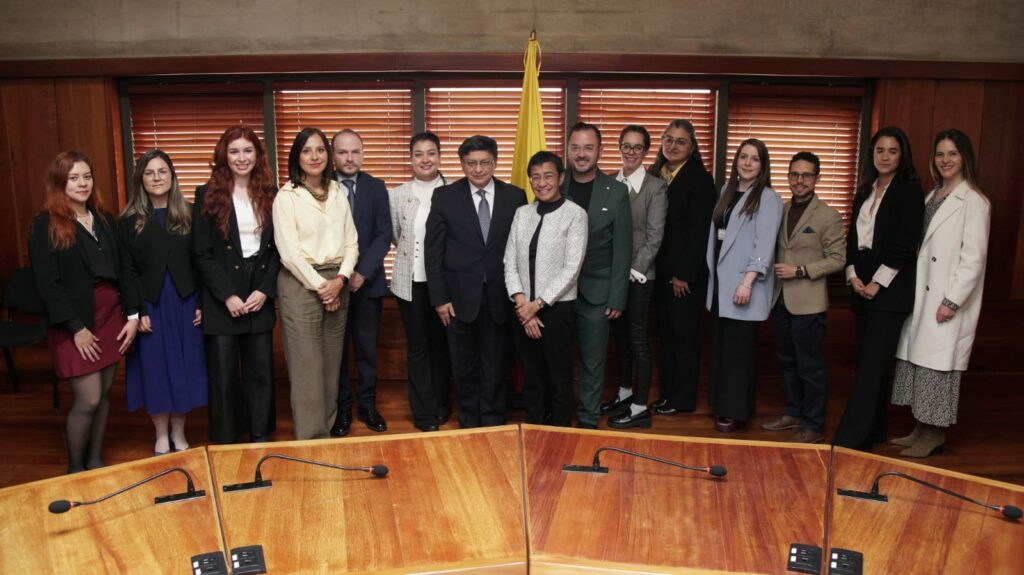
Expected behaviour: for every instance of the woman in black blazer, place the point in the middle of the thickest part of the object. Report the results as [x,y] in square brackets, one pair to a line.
[233,243]
[166,372]
[881,257]
[85,282]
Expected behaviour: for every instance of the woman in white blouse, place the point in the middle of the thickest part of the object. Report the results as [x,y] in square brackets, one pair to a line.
[427,345]
[543,258]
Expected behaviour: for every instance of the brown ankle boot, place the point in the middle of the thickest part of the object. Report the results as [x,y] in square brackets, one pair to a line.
[909,440]
[930,441]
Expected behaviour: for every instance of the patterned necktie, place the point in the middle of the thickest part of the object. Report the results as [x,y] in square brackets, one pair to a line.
[351,194]
[484,213]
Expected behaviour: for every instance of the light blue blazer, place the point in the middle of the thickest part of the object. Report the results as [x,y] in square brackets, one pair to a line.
[749,246]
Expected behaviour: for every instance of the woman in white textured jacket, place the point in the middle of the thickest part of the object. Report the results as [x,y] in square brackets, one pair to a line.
[543,258]
[936,341]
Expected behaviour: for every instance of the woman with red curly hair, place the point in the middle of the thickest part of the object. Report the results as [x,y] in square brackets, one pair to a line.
[84,281]
[233,243]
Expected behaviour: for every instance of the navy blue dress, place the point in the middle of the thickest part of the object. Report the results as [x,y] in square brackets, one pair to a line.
[166,370]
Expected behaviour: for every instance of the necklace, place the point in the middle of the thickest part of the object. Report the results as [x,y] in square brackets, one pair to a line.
[322,196]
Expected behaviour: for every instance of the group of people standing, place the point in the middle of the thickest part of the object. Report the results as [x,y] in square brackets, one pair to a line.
[478,271]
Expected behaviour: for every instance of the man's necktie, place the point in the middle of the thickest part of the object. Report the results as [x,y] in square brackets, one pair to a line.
[351,194]
[484,213]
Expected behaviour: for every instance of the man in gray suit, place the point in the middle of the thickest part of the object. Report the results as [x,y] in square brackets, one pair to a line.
[604,280]
[648,200]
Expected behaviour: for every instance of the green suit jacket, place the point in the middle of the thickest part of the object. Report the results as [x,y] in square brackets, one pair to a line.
[604,279]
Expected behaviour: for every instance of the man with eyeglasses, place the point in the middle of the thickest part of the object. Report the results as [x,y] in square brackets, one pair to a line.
[604,280]
[810,246]
[466,233]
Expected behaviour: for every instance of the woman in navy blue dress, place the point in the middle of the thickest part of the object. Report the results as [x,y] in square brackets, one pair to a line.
[166,372]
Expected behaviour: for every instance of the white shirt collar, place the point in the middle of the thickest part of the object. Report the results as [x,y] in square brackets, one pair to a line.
[635,180]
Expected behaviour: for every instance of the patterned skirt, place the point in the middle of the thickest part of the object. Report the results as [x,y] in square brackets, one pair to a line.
[932,395]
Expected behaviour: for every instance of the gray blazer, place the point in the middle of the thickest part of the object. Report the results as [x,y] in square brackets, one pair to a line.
[403,205]
[649,207]
[749,246]
[560,249]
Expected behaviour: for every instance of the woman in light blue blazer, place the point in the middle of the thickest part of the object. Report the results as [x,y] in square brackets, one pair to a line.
[741,252]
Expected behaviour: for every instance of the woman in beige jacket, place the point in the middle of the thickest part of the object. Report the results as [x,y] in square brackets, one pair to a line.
[936,341]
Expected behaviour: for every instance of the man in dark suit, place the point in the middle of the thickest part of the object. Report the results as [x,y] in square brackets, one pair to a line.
[467,230]
[604,280]
[368,199]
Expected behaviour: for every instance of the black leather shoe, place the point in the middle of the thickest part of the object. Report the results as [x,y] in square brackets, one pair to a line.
[663,408]
[427,428]
[342,424]
[371,417]
[627,420]
[616,405]
[583,425]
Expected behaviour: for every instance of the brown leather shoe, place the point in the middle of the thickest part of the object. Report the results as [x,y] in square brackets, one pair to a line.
[782,423]
[804,435]
[909,440]
[930,441]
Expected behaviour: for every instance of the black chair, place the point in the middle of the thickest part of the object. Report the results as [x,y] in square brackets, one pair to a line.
[23,298]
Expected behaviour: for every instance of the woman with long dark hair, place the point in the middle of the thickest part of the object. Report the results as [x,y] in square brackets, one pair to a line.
[741,253]
[317,240]
[233,243]
[881,251]
[936,341]
[166,372]
[85,283]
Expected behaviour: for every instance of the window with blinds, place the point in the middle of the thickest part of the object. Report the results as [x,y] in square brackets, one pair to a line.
[383,118]
[456,113]
[188,125]
[829,126]
[613,108]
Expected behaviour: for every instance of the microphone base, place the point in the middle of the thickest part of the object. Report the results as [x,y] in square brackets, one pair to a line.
[584,469]
[862,495]
[266,483]
[180,497]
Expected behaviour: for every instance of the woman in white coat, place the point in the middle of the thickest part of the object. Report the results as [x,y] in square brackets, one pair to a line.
[936,341]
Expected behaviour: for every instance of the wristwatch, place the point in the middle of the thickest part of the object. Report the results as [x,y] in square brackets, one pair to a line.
[800,273]
[540,304]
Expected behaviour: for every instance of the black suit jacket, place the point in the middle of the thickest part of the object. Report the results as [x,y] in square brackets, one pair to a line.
[460,264]
[152,252]
[372,217]
[223,275]
[897,237]
[64,279]
[691,200]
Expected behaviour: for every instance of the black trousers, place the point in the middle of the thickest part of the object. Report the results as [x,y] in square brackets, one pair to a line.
[362,330]
[547,366]
[679,328]
[479,362]
[732,377]
[427,356]
[633,343]
[240,373]
[800,347]
[864,419]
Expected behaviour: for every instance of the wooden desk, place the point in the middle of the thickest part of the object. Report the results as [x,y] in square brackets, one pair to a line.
[452,501]
[921,530]
[126,534]
[645,517]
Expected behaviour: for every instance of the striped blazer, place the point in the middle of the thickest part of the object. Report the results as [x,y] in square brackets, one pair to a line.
[404,205]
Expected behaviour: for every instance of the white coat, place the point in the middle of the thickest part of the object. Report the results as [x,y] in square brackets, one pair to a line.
[951,265]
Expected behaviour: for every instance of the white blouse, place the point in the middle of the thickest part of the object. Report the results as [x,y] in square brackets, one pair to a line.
[248,226]
[423,191]
[866,235]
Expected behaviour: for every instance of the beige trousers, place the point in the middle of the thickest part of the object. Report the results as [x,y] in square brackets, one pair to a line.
[313,340]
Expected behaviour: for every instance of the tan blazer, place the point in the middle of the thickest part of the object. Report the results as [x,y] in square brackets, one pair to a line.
[817,242]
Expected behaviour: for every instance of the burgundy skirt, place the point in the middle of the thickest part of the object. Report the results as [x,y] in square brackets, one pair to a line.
[106,324]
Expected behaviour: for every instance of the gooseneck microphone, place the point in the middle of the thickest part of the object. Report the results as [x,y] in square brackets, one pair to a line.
[259,482]
[714,470]
[63,505]
[1009,511]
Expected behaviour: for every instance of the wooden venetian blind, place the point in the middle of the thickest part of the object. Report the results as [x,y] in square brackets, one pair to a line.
[827,126]
[612,109]
[188,126]
[455,113]
[383,118]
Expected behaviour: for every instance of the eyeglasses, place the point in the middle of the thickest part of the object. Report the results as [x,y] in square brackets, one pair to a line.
[797,176]
[474,164]
[669,141]
[634,148]
[537,179]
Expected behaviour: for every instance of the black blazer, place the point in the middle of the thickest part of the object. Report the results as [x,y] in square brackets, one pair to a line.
[64,279]
[219,262]
[460,264]
[152,252]
[896,240]
[691,201]
[372,217]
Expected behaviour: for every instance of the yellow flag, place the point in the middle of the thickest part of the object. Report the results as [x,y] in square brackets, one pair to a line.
[530,128]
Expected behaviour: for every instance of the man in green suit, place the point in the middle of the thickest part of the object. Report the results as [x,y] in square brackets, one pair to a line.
[604,280]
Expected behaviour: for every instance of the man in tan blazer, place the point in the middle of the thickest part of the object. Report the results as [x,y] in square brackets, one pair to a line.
[810,246]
